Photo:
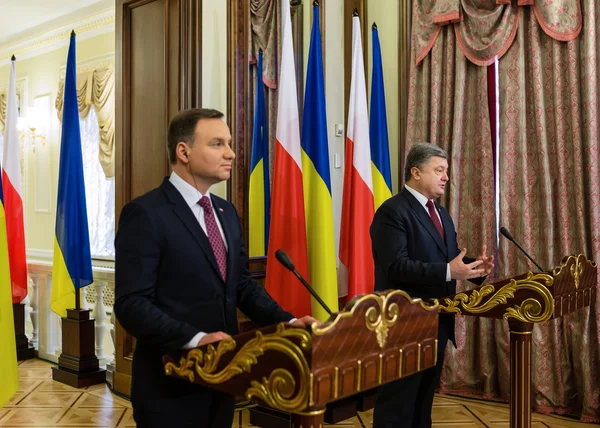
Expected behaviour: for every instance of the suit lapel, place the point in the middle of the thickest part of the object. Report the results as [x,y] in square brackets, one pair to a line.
[426,220]
[447,226]
[185,214]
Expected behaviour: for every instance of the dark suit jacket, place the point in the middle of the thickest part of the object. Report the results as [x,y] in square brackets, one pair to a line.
[409,252]
[168,287]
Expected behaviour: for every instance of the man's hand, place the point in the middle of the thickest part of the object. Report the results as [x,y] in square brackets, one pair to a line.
[488,262]
[212,337]
[305,321]
[459,270]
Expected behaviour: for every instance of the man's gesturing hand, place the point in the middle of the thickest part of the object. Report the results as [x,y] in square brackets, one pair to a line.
[459,270]
[488,261]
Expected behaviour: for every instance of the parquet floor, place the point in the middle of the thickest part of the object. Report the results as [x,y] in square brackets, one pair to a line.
[42,402]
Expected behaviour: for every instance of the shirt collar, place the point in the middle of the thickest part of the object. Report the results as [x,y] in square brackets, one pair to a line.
[190,194]
[419,196]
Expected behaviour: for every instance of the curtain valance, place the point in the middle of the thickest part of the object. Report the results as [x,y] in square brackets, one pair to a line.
[96,88]
[485,29]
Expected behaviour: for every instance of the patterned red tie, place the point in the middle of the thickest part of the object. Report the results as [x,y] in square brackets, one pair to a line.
[214,236]
[436,220]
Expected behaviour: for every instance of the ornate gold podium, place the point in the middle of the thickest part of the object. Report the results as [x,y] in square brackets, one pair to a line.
[524,300]
[378,338]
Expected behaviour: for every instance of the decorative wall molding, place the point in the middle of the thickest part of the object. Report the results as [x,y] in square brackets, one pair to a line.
[104,266]
[42,158]
[39,255]
[23,102]
[100,23]
[21,88]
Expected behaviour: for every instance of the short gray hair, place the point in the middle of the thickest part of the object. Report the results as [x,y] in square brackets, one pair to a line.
[419,154]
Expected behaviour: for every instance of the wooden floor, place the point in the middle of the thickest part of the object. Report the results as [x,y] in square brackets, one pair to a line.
[41,402]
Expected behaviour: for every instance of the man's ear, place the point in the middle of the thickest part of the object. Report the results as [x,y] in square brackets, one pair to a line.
[181,151]
[416,174]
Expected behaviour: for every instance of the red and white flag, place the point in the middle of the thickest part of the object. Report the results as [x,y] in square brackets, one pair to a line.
[355,272]
[288,226]
[13,202]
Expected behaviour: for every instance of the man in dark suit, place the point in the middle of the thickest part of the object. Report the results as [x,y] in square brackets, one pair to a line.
[415,250]
[181,272]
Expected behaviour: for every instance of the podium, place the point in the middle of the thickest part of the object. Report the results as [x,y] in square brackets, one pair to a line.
[378,338]
[524,300]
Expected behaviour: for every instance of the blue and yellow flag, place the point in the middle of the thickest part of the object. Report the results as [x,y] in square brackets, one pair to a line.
[8,347]
[317,182]
[378,131]
[259,193]
[72,267]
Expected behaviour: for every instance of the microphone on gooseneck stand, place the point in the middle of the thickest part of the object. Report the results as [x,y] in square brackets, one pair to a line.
[504,231]
[285,260]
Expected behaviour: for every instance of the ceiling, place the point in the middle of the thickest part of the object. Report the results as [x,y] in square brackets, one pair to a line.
[22,19]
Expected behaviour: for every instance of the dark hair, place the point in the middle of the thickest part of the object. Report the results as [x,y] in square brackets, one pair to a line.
[183,128]
[419,154]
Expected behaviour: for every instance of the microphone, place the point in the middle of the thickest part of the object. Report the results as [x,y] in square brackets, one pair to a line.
[504,231]
[285,260]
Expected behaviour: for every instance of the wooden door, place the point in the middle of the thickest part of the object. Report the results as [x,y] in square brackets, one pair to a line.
[158,73]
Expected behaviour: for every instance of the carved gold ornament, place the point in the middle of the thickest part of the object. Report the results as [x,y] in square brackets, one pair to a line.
[576,272]
[379,317]
[472,303]
[279,390]
[533,310]
[530,310]
[576,269]
[580,261]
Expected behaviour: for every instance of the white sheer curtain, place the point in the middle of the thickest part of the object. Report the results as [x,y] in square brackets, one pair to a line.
[99,191]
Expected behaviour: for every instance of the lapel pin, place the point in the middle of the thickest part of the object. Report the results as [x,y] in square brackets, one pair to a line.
[220,209]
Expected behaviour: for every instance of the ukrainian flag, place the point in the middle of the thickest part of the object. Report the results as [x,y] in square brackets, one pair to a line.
[378,131]
[8,347]
[72,267]
[317,182]
[259,193]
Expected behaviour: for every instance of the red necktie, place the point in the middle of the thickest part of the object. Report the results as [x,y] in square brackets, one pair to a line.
[434,217]
[214,236]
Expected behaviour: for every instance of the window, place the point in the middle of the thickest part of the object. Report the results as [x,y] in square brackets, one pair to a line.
[99,192]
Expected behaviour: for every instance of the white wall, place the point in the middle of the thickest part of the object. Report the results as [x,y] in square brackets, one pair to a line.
[40,184]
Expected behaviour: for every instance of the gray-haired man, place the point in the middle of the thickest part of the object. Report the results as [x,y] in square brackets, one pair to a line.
[415,250]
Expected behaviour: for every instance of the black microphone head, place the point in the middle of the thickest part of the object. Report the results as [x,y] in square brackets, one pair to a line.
[506,233]
[284,259]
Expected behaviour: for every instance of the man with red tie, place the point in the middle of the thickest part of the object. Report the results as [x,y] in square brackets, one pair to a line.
[415,250]
[182,272]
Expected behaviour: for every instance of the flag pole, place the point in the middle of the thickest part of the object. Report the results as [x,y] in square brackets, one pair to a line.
[13,206]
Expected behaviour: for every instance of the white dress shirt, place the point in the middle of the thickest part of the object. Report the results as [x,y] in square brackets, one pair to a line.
[423,201]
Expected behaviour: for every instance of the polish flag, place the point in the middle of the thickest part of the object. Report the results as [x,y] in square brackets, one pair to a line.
[355,272]
[288,226]
[11,186]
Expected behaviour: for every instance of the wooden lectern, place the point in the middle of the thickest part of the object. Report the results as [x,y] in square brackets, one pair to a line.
[378,338]
[524,300]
